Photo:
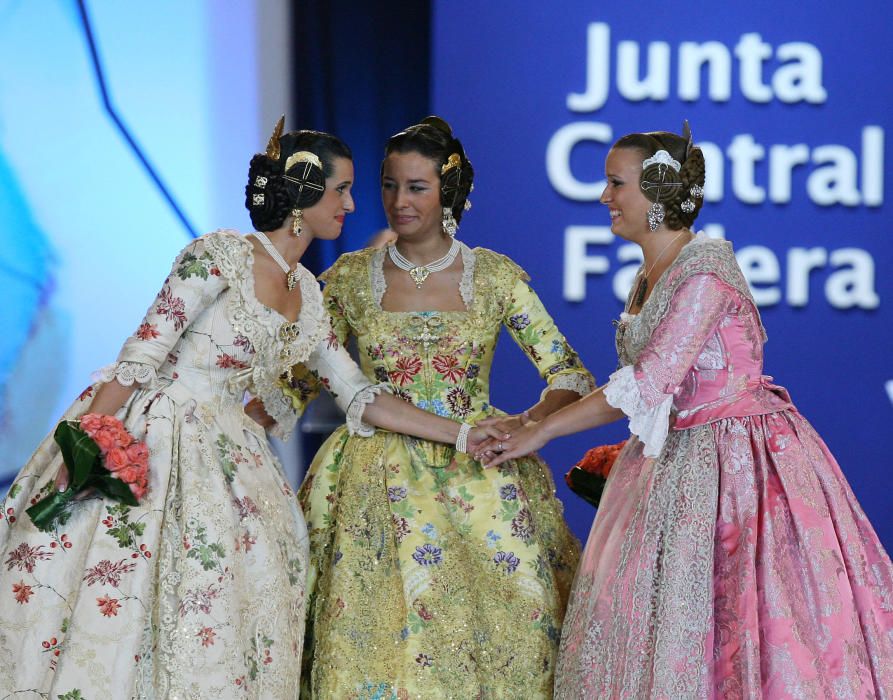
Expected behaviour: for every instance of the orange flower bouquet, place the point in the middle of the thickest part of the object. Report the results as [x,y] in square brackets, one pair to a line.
[588,476]
[99,454]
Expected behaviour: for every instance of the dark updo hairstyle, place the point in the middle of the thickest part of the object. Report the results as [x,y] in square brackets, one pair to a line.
[675,187]
[433,138]
[269,196]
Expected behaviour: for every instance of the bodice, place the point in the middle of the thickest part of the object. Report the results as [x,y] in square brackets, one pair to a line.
[441,360]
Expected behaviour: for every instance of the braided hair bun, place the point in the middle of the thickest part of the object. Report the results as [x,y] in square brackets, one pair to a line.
[680,192]
[273,192]
[434,139]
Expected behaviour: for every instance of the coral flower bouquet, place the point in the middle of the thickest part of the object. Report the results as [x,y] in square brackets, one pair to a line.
[100,454]
[587,477]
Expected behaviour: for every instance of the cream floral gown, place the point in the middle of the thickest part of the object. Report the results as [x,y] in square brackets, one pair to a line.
[199,591]
[432,577]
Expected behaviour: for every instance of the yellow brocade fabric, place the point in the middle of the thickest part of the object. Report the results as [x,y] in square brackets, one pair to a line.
[431,577]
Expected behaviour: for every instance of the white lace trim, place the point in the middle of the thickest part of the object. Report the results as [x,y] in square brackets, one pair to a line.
[126,373]
[365,396]
[379,283]
[578,383]
[466,284]
[649,425]
[275,352]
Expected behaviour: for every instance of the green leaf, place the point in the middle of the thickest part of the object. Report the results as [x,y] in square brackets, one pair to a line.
[72,695]
[115,489]
[15,490]
[192,266]
[80,453]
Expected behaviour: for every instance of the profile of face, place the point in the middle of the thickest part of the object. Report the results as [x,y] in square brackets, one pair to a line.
[325,218]
[410,194]
[622,195]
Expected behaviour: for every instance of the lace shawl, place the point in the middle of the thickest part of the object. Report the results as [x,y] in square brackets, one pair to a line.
[702,256]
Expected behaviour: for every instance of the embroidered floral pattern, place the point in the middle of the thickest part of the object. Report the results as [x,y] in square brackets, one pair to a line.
[108,573]
[22,592]
[216,548]
[24,557]
[147,331]
[459,402]
[405,369]
[108,606]
[171,307]
[448,367]
[226,361]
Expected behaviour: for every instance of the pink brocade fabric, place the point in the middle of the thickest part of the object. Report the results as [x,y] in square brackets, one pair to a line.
[737,563]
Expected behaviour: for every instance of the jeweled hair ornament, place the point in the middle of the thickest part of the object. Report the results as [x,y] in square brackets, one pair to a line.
[305,178]
[662,157]
[302,157]
[454,161]
[273,148]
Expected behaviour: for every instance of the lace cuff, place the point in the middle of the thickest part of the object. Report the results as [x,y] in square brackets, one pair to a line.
[366,395]
[578,383]
[280,410]
[126,373]
[649,425]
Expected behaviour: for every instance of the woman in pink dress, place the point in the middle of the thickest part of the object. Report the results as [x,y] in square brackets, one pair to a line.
[729,557]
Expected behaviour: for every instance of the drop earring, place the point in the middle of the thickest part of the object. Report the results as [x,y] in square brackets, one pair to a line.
[450,225]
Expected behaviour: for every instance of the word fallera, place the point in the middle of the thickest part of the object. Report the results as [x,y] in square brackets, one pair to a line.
[849,273]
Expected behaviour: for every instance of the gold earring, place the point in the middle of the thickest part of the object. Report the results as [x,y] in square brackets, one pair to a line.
[297,221]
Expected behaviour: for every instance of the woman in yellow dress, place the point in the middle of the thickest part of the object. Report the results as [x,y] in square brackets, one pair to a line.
[431,577]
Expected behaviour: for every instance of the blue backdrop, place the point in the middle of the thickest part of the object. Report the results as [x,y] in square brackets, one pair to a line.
[791,104]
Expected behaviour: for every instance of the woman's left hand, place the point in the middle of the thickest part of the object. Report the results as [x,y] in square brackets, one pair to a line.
[482,435]
[523,441]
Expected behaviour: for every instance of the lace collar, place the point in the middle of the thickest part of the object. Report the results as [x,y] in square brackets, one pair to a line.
[278,342]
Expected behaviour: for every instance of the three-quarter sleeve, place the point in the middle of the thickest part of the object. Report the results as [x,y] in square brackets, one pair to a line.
[533,329]
[192,285]
[645,390]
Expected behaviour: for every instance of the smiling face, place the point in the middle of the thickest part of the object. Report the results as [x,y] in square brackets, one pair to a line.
[622,195]
[410,194]
[325,218]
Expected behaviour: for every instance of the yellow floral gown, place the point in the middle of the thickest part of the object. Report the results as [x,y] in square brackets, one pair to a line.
[431,577]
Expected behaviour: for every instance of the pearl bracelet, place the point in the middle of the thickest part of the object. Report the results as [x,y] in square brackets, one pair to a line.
[462,437]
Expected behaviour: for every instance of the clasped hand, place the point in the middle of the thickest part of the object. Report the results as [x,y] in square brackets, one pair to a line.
[525,437]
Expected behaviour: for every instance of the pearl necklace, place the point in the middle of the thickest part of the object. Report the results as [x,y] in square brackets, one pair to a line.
[292,276]
[419,273]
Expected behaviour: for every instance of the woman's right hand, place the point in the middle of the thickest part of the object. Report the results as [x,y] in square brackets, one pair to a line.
[522,442]
[258,413]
